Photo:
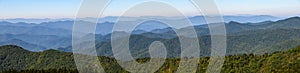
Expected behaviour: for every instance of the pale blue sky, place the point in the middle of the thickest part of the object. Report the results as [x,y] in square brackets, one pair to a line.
[69,8]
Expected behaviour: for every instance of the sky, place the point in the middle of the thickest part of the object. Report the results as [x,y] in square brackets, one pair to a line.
[69,8]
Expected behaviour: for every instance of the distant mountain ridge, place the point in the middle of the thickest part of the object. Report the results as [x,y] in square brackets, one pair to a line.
[57,35]
[195,19]
[243,38]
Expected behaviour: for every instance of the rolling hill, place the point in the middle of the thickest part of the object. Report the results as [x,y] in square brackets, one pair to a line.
[16,58]
[247,36]
[242,38]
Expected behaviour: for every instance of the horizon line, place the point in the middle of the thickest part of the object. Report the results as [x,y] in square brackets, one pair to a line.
[244,15]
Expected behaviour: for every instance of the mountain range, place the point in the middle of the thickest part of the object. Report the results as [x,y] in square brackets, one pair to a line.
[195,19]
[58,35]
[242,38]
[254,44]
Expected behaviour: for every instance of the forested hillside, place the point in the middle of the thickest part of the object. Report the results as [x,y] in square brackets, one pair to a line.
[16,59]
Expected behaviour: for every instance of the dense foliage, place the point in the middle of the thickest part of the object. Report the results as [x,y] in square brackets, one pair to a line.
[16,59]
[42,71]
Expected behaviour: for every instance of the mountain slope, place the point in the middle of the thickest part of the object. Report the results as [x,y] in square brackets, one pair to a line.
[28,46]
[14,57]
